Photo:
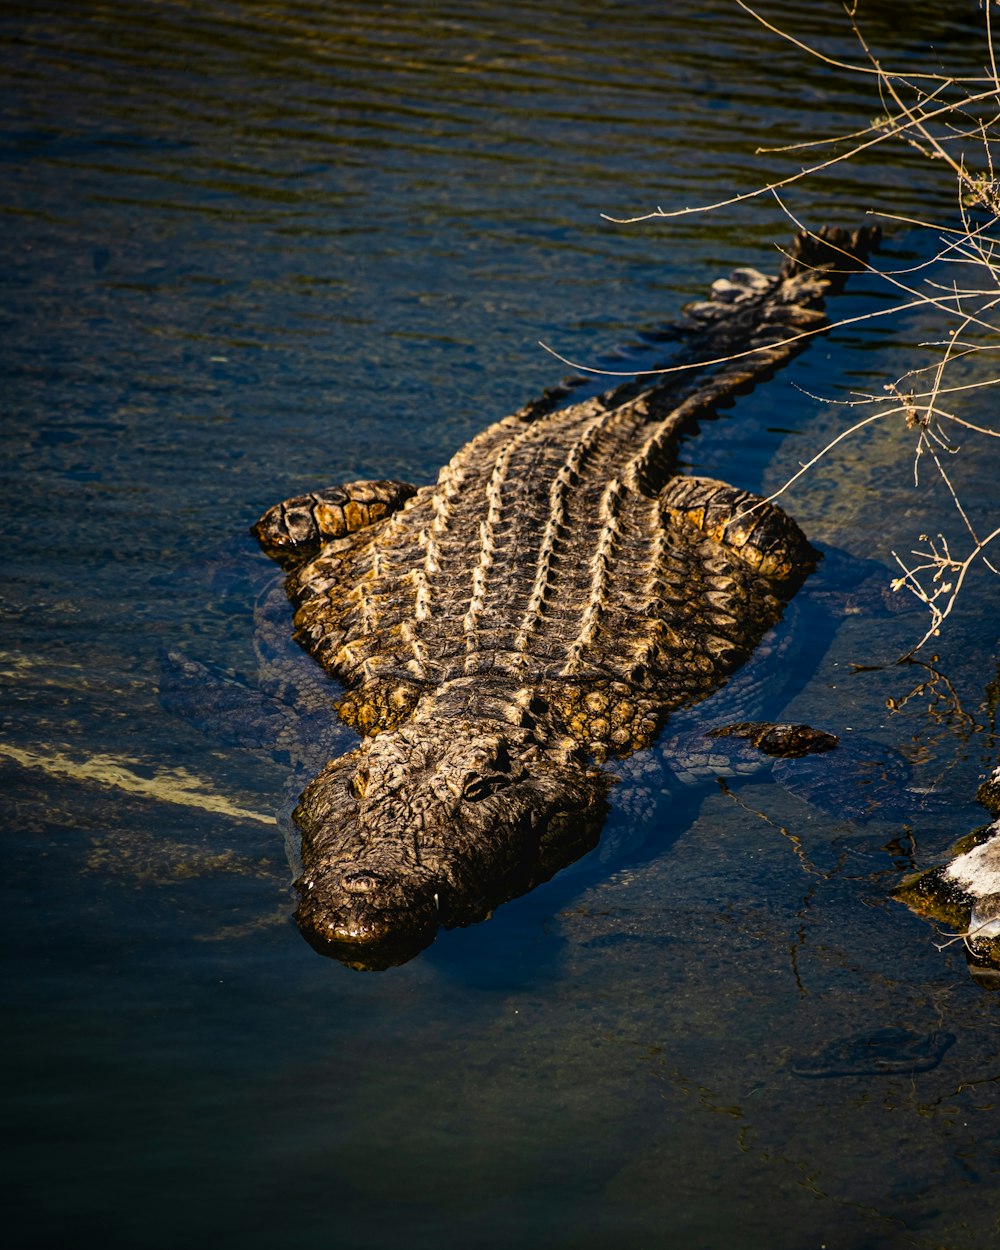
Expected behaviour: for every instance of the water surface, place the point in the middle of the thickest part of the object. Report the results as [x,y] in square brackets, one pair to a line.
[250,249]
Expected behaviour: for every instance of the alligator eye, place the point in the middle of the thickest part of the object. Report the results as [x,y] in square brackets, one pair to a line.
[359,784]
[479,785]
[362,882]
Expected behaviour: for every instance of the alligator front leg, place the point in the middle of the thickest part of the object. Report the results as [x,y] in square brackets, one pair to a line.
[760,533]
[294,531]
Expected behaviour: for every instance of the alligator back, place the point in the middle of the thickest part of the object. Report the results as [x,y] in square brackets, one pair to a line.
[553,549]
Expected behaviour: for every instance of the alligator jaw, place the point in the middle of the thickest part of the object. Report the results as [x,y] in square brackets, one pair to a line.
[364,898]
[434,826]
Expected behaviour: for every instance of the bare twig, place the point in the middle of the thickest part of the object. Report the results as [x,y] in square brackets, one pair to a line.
[924,111]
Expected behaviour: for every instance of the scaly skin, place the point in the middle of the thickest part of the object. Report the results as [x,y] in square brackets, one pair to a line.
[537,612]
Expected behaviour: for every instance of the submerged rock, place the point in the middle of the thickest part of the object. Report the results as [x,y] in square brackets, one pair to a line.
[883,1052]
[964,893]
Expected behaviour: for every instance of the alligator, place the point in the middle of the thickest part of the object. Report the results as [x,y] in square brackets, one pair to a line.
[504,635]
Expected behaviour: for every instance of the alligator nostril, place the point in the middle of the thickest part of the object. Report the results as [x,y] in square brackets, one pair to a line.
[362,882]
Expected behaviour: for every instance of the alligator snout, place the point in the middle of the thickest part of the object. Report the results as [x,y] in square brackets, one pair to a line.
[366,917]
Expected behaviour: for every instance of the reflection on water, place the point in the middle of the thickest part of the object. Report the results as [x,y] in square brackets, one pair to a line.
[250,249]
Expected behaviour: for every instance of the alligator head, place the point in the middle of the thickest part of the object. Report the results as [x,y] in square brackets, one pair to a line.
[434,825]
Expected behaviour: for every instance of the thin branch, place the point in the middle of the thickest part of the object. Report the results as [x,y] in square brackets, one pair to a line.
[829,60]
[941,563]
[782,182]
[937,115]
[722,360]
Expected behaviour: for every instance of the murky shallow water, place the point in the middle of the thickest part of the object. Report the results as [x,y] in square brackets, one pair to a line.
[257,248]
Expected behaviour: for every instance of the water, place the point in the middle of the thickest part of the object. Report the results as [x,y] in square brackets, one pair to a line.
[250,249]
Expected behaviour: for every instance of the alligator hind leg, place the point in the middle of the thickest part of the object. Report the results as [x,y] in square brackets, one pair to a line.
[760,533]
[294,531]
